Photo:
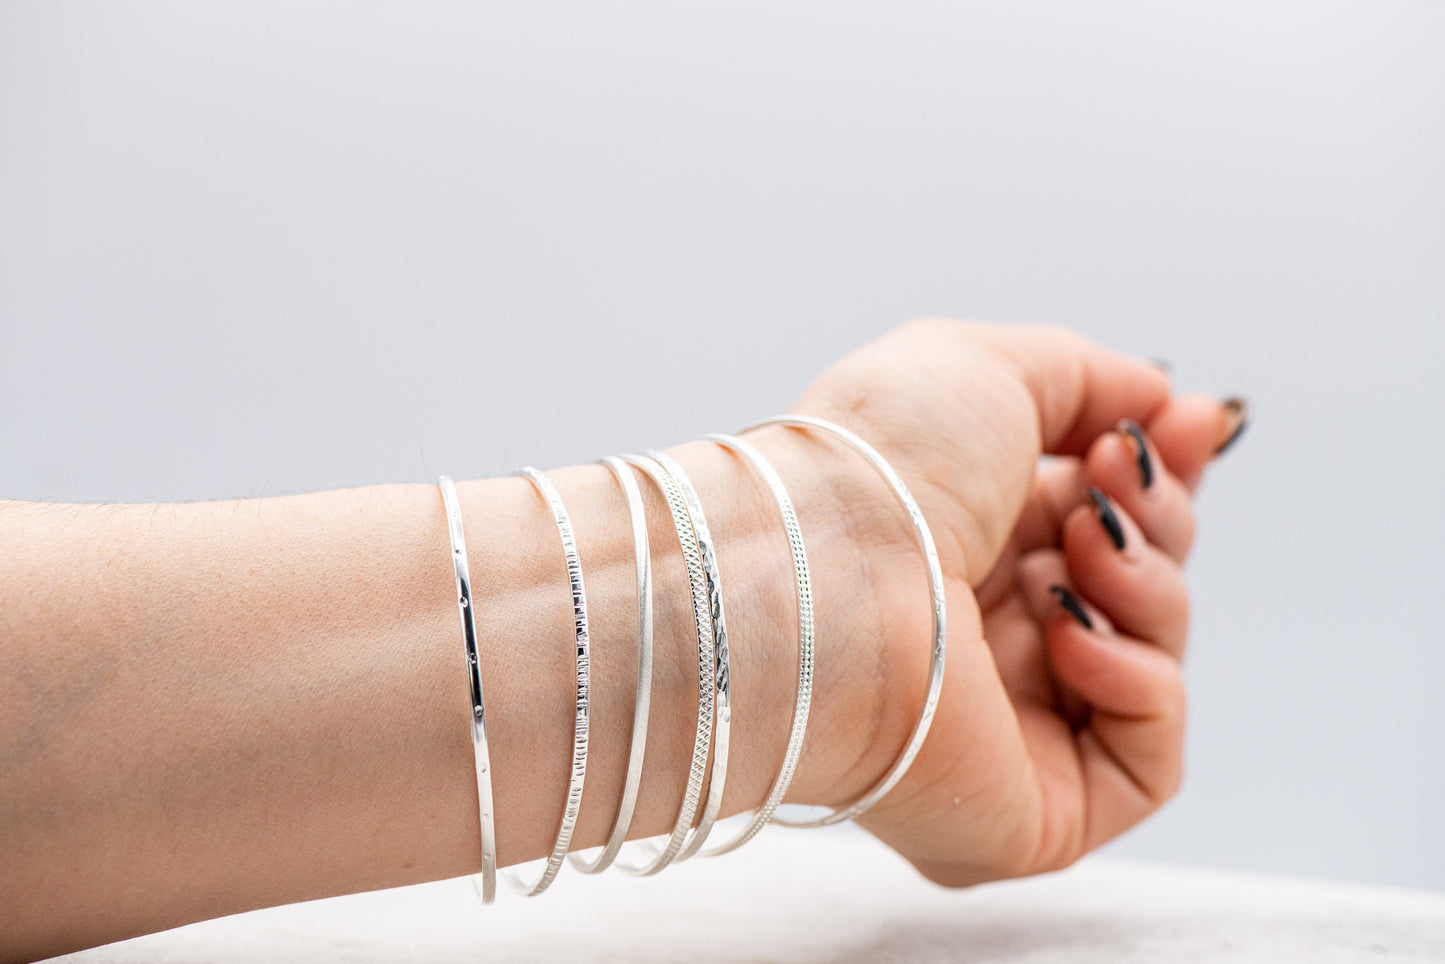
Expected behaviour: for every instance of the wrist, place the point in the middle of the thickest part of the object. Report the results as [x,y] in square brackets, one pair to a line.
[862,559]
[870,603]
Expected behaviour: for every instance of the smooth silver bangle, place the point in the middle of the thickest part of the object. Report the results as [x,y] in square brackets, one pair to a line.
[643,701]
[940,632]
[486,881]
[803,582]
[722,674]
[584,684]
[697,771]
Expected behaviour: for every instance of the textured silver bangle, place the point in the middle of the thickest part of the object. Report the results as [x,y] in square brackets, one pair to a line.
[584,685]
[722,674]
[697,771]
[803,582]
[643,700]
[486,881]
[940,630]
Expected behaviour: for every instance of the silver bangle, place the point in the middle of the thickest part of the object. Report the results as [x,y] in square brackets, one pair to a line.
[584,683]
[940,632]
[486,881]
[692,559]
[804,585]
[643,701]
[723,713]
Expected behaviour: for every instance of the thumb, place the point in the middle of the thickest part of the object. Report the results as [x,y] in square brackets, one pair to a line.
[1080,388]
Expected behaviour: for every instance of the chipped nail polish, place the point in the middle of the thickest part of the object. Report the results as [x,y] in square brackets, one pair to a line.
[1236,410]
[1072,606]
[1107,517]
[1142,457]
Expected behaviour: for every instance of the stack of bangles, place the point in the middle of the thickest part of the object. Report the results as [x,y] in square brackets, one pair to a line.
[714,713]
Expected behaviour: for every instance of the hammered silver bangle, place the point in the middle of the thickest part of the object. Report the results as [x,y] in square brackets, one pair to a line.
[584,684]
[940,632]
[722,672]
[803,583]
[486,881]
[643,700]
[697,771]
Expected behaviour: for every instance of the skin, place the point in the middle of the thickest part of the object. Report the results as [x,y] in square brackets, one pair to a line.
[214,707]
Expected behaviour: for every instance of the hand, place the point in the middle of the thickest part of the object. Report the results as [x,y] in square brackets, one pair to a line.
[1051,737]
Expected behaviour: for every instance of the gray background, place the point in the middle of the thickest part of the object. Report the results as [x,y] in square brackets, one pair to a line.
[252,248]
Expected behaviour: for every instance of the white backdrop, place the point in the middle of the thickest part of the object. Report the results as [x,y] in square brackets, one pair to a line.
[252,248]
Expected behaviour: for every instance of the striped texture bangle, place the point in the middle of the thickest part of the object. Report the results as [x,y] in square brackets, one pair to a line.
[643,700]
[584,682]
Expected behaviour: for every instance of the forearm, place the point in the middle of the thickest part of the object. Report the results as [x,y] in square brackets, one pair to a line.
[217,706]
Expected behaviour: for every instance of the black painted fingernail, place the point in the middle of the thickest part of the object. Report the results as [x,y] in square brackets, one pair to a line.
[1107,517]
[1142,457]
[1236,410]
[1072,606]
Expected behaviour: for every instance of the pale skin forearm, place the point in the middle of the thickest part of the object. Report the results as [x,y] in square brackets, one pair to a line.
[219,706]
[213,707]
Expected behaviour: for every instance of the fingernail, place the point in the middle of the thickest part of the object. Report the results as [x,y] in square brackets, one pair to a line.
[1142,457]
[1107,517]
[1236,411]
[1162,365]
[1072,606]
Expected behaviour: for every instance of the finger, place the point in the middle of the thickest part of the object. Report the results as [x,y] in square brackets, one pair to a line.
[1040,572]
[1013,639]
[1126,465]
[1057,488]
[1192,430]
[1043,578]
[1138,586]
[1080,388]
[1131,752]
